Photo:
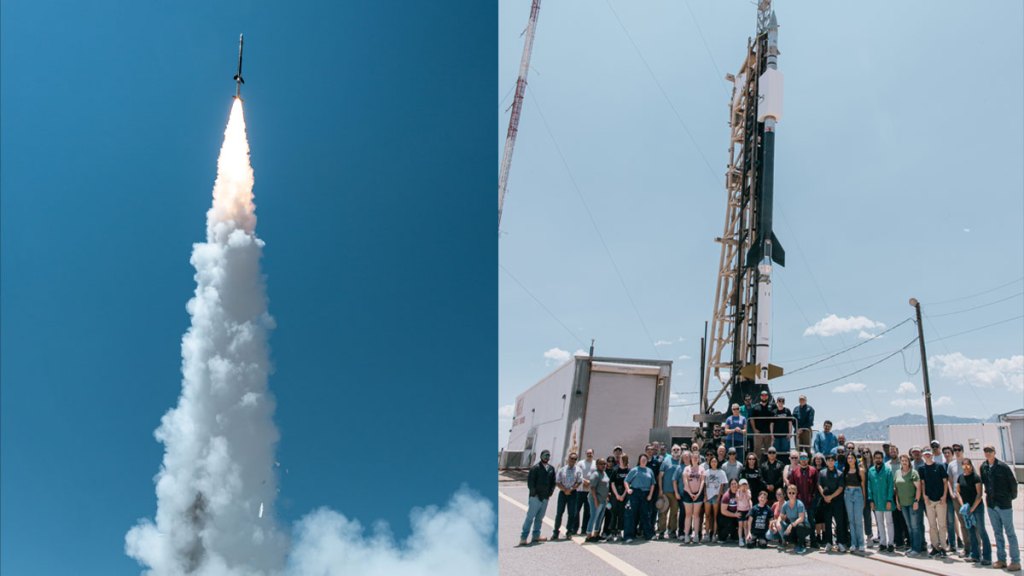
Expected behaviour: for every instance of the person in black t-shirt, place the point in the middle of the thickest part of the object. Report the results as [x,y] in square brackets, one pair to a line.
[968,488]
[762,412]
[760,515]
[618,497]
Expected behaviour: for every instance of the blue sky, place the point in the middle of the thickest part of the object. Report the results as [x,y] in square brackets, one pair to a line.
[898,174]
[368,123]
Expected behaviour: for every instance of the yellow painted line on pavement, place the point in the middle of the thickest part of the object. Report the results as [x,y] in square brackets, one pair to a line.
[602,554]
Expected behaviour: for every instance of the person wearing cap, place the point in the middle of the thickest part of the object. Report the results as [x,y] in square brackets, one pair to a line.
[936,482]
[937,453]
[669,519]
[805,478]
[771,473]
[881,490]
[916,459]
[732,466]
[825,441]
[969,492]
[596,499]
[794,461]
[654,463]
[833,506]
[782,425]
[640,488]
[1000,492]
[541,484]
[761,417]
[743,505]
[804,415]
[735,431]
[567,479]
[840,441]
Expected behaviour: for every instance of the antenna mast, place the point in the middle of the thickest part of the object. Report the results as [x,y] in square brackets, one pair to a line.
[517,106]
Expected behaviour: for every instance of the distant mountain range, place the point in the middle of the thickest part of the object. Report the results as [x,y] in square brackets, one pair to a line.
[880,430]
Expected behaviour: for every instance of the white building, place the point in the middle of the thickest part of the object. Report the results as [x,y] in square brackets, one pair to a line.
[589,402]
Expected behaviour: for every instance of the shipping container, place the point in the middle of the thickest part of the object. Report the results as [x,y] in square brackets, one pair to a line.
[974,438]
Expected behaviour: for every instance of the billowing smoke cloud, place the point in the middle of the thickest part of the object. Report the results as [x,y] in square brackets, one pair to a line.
[217,485]
[218,466]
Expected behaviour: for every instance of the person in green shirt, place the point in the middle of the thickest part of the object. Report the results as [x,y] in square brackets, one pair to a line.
[881,494]
[908,494]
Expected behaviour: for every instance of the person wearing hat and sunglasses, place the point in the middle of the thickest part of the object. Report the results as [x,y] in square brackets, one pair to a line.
[735,431]
[1000,492]
[772,473]
[541,484]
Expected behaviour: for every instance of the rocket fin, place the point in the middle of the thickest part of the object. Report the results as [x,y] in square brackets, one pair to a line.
[778,252]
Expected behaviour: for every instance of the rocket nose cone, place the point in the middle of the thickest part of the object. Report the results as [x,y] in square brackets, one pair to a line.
[772,22]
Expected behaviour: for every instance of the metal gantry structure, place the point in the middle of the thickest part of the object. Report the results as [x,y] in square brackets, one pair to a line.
[517,106]
[736,361]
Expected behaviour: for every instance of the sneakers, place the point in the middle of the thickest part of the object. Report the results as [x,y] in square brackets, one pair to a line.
[538,540]
[890,548]
[842,549]
[934,552]
[628,541]
[762,543]
[706,539]
[800,550]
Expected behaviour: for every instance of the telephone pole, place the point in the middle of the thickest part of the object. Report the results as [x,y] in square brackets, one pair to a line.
[924,370]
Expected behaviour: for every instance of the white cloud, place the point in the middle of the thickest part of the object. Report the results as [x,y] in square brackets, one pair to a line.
[507,411]
[906,388]
[684,357]
[864,335]
[663,343]
[557,355]
[1007,372]
[832,325]
[850,387]
[967,229]
[908,402]
[329,544]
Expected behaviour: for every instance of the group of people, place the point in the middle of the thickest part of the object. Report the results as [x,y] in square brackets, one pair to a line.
[747,493]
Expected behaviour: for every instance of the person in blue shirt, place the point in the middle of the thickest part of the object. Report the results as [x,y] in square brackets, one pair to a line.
[640,489]
[825,441]
[669,519]
[735,430]
[804,415]
[794,520]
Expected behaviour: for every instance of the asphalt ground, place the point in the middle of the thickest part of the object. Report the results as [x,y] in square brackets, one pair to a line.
[655,558]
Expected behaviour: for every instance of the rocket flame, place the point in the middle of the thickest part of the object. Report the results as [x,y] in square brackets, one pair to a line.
[232,192]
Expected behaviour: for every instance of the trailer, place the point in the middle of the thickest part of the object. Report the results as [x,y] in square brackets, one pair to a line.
[974,438]
[589,402]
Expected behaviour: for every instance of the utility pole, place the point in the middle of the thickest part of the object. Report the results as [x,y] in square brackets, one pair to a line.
[924,370]
[517,106]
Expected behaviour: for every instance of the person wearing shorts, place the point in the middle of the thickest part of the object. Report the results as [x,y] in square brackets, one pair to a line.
[692,488]
[715,481]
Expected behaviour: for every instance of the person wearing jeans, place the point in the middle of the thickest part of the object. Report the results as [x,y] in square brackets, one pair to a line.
[968,490]
[1000,492]
[640,488]
[566,480]
[853,495]
[541,484]
[908,496]
[596,499]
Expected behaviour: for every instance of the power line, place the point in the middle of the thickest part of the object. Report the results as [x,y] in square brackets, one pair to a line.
[975,294]
[679,117]
[845,350]
[844,376]
[546,309]
[946,348]
[593,222]
[976,307]
[706,47]
[978,328]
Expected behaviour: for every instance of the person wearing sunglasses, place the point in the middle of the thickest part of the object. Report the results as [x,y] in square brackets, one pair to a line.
[735,430]
[794,520]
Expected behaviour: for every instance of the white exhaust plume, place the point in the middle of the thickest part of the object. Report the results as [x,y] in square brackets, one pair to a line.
[219,441]
[217,485]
